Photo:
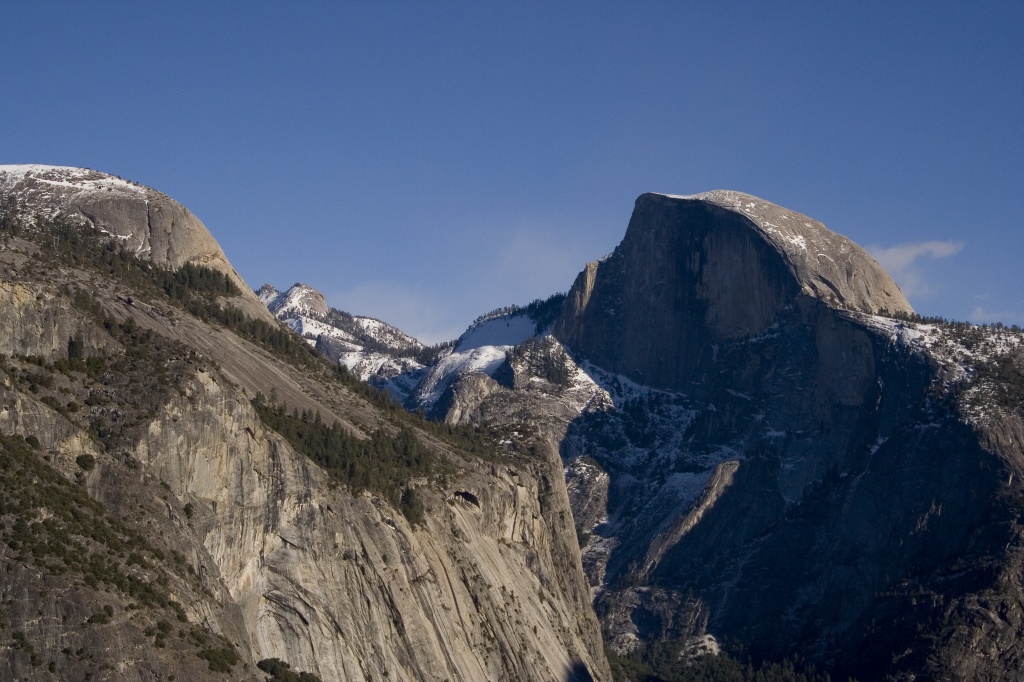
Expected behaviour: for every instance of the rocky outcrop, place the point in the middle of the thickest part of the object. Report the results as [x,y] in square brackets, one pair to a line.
[696,272]
[460,403]
[38,322]
[788,469]
[299,299]
[826,265]
[147,223]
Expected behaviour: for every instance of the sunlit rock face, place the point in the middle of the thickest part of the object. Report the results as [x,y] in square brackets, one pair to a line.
[155,526]
[146,222]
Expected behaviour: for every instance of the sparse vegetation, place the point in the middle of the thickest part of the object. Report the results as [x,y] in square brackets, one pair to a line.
[53,524]
[661,661]
[383,463]
[220,659]
[544,359]
[428,355]
[542,311]
[280,671]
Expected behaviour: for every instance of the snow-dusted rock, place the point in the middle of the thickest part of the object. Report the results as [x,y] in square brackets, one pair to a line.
[146,222]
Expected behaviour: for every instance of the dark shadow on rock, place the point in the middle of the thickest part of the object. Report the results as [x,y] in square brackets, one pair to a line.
[578,672]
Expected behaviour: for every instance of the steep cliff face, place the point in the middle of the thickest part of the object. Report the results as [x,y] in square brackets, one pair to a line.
[786,468]
[154,525]
[696,272]
[343,586]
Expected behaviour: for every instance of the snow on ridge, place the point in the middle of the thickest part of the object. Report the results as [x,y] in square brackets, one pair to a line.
[77,179]
[619,387]
[385,333]
[368,364]
[503,330]
[485,359]
[961,349]
[715,195]
[306,326]
[300,299]
[268,295]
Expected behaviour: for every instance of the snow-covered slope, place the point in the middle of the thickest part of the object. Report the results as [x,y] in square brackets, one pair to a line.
[482,348]
[504,330]
[390,359]
[374,351]
[55,187]
[299,299]
[305,309]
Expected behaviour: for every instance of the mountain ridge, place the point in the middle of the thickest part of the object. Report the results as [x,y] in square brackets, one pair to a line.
[143,221]
[716,444]
[772,451]
[167,512]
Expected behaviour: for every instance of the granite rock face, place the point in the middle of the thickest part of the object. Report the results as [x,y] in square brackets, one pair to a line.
[759,453]
[212,543]
[147,223]
[789,469]
[343,586]
[764,448]
[694,272]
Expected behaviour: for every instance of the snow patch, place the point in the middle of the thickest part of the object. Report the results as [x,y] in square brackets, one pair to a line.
[506,330]
[486,359]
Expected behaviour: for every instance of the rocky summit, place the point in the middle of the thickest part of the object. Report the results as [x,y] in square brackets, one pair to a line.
[794,462]
[693,273]
[730,450]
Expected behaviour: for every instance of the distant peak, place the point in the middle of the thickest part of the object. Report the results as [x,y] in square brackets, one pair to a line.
[299,299]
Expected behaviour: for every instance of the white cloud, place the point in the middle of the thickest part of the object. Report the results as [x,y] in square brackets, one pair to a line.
[903,262]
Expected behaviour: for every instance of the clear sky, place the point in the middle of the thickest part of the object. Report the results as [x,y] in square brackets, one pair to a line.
[425,162]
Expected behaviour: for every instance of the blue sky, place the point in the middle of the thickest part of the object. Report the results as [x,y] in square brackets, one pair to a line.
[427,162]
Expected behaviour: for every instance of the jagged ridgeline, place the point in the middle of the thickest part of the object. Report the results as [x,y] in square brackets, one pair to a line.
[191,491]
[382,464]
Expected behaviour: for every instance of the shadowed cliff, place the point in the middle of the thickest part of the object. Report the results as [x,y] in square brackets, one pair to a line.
[792,471]
[695,272]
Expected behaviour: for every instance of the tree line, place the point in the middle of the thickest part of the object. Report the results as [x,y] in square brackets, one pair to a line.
[383,464]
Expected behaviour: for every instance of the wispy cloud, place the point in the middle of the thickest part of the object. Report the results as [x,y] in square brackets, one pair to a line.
[538,261]
[426,317]
[903,262]
[982,315]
